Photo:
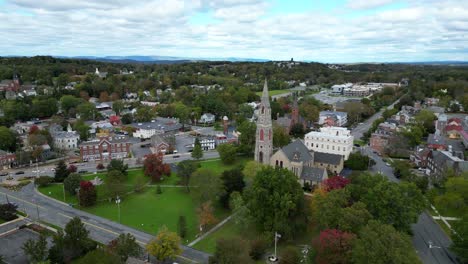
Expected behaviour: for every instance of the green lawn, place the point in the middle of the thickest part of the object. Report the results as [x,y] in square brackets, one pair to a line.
[230,229]
[217,166]
[2,221]
[274,92]
[444,227]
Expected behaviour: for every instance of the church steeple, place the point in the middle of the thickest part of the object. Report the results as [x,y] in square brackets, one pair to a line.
[264,133]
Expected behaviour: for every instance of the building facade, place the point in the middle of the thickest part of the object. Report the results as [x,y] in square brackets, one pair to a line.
[105,149]
[158,126]
[66,140]
[333,140]
[333,118]
[7,159]
[264,132]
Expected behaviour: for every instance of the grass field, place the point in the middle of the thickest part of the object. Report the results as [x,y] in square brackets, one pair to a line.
[218,167]
[230,229]
[274,92]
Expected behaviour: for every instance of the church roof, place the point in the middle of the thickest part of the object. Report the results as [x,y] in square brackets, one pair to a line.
[327,158]
[297,151]
[265,95]
[312,174]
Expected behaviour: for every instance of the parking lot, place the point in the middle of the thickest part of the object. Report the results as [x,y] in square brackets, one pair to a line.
[15,240]
[327,98]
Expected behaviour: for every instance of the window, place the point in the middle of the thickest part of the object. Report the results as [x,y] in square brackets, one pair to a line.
[281,164]
[277,163]
[261,134]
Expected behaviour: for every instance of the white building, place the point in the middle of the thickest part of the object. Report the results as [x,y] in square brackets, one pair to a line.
[333,140]
[207,118]
[155,127]
[206,143]
[66,140]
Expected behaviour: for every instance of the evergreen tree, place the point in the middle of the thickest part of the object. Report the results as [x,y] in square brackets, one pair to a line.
[61,171]
[197,152]
[182,226]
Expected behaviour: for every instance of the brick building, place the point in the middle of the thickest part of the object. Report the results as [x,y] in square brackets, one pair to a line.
[7,159]
[105,148]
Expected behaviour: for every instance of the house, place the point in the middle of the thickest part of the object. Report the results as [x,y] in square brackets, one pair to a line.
[7,160]
[431,101]
[436,142]
[333,140]
[157,126]
[419,157]
[66,140]
[453,128]
[100,74]
[382,136]
[159,144]
[439,161]
[207,118]
[105,149]
[333,118]
[298,159]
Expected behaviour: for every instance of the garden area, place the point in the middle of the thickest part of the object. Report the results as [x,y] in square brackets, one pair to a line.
[158,203]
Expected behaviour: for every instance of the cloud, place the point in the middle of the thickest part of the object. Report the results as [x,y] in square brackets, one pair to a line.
[422,30]
[367,4]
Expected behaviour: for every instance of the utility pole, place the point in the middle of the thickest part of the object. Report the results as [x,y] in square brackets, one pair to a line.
[117,201]
[63,185]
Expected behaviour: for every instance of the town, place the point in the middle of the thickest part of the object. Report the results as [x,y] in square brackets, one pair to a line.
[124,159]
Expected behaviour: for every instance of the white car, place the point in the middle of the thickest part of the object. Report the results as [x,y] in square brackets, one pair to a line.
[388,164]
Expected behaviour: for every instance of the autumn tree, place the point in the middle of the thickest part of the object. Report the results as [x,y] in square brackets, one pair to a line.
[125,246]
[155,168]
[166,245]
[334,246]
[335,182]
[87,194]
[205,215]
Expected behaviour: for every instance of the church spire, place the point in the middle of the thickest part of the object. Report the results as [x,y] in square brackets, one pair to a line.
[265,95]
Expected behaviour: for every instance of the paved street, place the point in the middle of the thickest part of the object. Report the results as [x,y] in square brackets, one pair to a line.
[101,230]
[426,230]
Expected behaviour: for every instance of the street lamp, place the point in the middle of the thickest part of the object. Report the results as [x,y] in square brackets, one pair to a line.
[274,258]
[117,201]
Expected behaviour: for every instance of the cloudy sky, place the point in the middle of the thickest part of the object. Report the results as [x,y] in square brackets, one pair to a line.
[316,30]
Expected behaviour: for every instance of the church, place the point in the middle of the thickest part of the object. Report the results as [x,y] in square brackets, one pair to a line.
[309,166]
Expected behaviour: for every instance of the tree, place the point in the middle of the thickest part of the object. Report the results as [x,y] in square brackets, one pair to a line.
[182,226]
[119,165]
[87,194]
[36,250]
[61,171]
[183,113]
[231,251]
[205,215]
[155,168]
[425,118]
[460,241]
[357,161]
[72,183]
[76,240]
[144,113]
[197,152]
[280,137]
[82,129]
[87,111]
[379,243]
[100,166]
[289,255]
[275,201]
[56,254]
[208,185]
[413,134]
[335,182]
[125,246]
[118,106]
[233,181]
[100,256]
[114,183]
[8,211]
[227,153]
[127,119]
[334,246]
[72,168]
[247,132]
[69,102]
[166,245]
[7,139]
[251,169]
[185,169]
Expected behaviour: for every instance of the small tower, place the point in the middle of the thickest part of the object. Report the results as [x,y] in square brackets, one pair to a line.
[69,128]
[225,125]
[264,133]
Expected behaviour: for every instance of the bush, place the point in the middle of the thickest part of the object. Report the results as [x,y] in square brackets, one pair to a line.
[100,166]
[8,211]
[43,181]
[290,255]
[158,189]
[87,194]
[258,248]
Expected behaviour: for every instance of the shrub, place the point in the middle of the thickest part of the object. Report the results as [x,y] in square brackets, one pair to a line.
[258,248]
[43,181]
[8,211]
[100,166]
[182,227]
[158,189]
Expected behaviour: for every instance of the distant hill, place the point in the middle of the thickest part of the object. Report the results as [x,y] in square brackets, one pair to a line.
[160,59]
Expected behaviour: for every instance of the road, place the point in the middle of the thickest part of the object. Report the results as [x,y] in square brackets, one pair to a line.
[101,230]
[363,127]
[426,230]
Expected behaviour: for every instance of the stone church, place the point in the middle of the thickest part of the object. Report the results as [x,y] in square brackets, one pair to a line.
[264,133]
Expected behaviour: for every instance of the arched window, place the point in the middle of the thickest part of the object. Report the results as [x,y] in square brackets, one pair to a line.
[276,163]
[269,135]
[261,134]
[281,164]
[260,157]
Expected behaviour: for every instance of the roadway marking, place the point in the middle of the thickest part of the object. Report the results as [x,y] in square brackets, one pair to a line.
[22,200]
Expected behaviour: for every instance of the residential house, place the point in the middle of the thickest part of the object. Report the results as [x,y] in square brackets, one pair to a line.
[333,118]
[157,126]
[439,161]
[420,156]
[333,140]
[381,137]
[159,144]
[105,149]
[65,140]
[297,158]
[7,160]
[207,118]
[436,142]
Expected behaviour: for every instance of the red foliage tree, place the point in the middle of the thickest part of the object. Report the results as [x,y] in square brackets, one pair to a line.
[114,120]
[334,246]
[72,168]
[155,167]
[33,129]
[100,166]
[335,182]
[87,194]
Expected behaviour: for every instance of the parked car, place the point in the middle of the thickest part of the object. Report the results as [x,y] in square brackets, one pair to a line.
[19,172]
[4,173]
[388,164]
[82,171]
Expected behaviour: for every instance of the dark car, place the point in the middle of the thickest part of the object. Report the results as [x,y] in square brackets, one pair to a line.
[82,171]
[4,173]
[19,172]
